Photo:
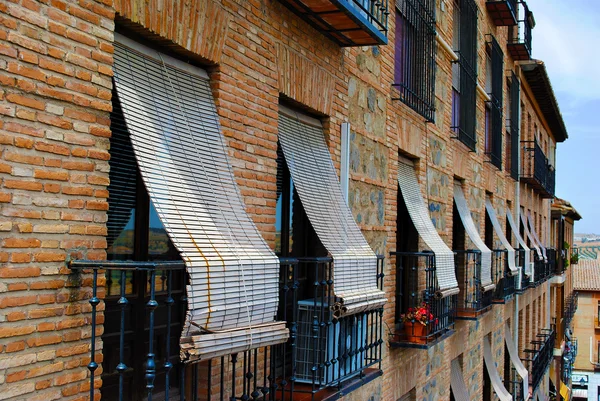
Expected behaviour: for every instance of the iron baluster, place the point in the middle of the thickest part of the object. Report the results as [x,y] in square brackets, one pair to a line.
[123,302]
[168,365]
[150,362]
[94,301]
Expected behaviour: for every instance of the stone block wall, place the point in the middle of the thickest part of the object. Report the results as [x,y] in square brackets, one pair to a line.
[56,68]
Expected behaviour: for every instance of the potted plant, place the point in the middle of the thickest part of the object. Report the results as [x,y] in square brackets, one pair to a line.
[415,322]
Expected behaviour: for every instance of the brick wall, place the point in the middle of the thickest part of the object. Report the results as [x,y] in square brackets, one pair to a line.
[56,61]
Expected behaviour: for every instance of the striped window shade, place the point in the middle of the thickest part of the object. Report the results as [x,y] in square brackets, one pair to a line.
[315,179]
[473,233]
[419,214]
[535,236]
[174,129]
[512,266]
[529,235]
[514,358]
[457,382]
[492,370]
[516,232]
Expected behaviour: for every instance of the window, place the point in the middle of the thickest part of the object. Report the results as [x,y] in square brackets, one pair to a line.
[310,287]
[512,128]
[136,233]
[414,55]
[464,72]
[493,110]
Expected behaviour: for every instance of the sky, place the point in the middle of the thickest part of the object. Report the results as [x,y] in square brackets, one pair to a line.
[567,38]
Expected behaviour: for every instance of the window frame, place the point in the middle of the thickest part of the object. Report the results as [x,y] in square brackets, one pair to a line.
[415,54]
[466,29]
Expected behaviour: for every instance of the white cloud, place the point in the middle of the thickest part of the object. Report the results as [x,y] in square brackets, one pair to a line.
[566,38]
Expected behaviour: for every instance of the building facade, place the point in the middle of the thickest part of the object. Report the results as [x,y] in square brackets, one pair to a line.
[194,194]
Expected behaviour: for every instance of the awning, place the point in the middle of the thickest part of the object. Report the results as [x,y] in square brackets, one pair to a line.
[580,393]
[457,382]
[417,209]
[564,392]
[505,243]
[473,233]
[174,129]
[516,361]
[516,232]
[492,370]
[528,235]
[535,236]
[315,178]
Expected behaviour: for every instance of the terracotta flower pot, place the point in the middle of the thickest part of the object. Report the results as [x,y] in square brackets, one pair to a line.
[414,332]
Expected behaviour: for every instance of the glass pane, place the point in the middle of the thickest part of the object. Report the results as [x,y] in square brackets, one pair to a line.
[160,247]
[113,282]
[123,232]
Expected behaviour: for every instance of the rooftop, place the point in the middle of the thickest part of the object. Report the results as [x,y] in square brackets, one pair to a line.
[536,75]
[586,275]
[565,208]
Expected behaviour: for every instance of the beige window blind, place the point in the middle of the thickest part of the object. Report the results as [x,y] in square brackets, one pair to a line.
[516,361]
[315,179]
[457,382]
[530,236]
[535,236]
[515,230]
[175,132]
[492,370]
[417,209]
[512,266]
[473,233]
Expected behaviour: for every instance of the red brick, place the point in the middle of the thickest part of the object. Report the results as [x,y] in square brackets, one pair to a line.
[7,332]
[22,158]
[51,175]
[25,185]
[96,205]
[16,316]
[70,190]
[15,346]
[23,143]
[48,257]
[21,243]
[26,101]
[55,121]
[42,340]
[16,376]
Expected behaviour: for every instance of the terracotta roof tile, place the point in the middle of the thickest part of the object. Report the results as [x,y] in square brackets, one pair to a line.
[586,275]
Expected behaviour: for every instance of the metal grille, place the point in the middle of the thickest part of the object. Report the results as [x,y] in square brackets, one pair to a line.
[515,89]
[417,287]
[496,101]
[467,74]
[415,51]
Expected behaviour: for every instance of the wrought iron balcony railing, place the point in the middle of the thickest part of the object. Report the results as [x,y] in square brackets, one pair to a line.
[324,351]
[416,287]
[519,36]
[571,304]
[515,384]
[502,12]
[472,300]
[347,22]
[505,283]
[536,170]
[540,356]
[569,357]
[525,280]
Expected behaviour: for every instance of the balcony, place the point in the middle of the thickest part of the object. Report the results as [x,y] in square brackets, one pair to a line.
[515,384]
[472,300]
[502,12]
[536,170]
[525,280]
[519,36]
[571,304]
[569,357]
[540,356]
[416,287]
[346,22]
[505,283]
[314,360]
